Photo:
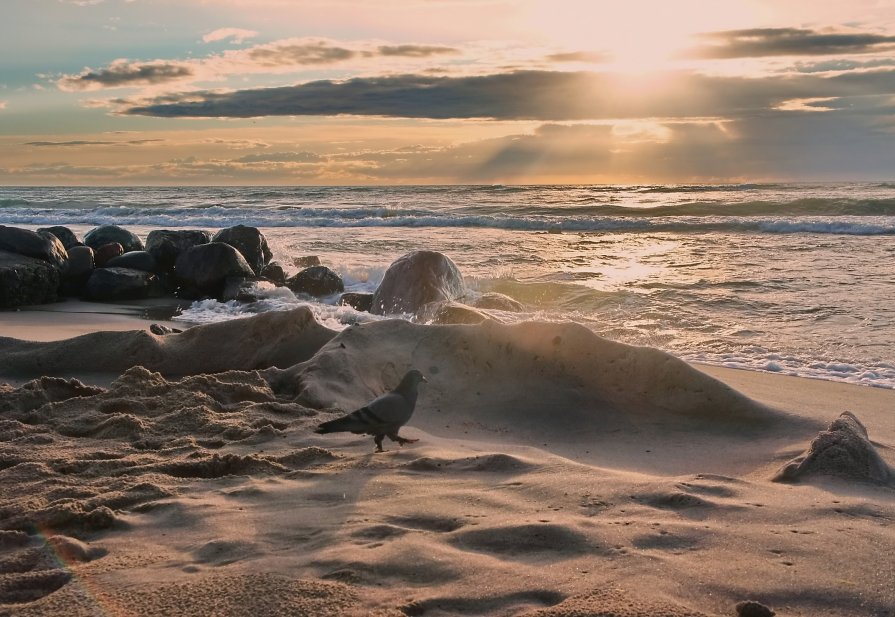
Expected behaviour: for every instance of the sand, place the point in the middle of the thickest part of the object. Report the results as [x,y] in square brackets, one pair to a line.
[556,474]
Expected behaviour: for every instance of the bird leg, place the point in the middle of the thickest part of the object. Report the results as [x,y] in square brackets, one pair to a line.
[377,439]
[401,440]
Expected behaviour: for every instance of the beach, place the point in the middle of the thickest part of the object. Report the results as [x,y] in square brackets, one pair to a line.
[556,473]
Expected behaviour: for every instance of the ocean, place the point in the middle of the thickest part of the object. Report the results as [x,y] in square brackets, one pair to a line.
[795,279]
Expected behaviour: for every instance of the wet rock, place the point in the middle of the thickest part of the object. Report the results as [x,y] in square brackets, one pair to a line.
[306,261]
[844,450]
[415,280]
[107,252]
[25,281]
[107,284]
[106,234]
[316,281]
[165,245]
[203,269]
[498,302]
[161,329]
[136,260]
[245,290]
[457,313]
[65,235]
[357,300]
[31,244]
[250,242]
[274,273]
[77,273]
[749,608]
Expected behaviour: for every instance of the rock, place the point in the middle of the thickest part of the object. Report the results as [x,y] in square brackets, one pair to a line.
[356,300]
[136,260]
[498,302]
[107,284]
[415,280]
[106,234]
[31,244]
[306,262]
[753,609]
[250,242]
[203,269]
[107,252]
[77,273]
[274,273]
[165,245]
[245,290]
[316,281]
[65,235]
[25,281]
[457,313]
[161,329]
[844,450]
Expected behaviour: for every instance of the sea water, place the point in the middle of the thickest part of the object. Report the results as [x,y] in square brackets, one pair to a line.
[787,278]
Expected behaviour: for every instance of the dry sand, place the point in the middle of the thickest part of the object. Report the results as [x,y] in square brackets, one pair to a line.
[557,474]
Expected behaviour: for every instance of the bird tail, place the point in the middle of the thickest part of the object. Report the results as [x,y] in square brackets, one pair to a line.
[361,421]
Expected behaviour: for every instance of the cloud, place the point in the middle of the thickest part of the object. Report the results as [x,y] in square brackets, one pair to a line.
[81,142]
[281,157]
[300,53]
[579,56]
[238,35]
[416,51]
[522,95]
[123,74]
[761,42]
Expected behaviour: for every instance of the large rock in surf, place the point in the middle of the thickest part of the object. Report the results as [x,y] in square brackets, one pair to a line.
[31,244]
[844,450]
[121,284]
[165,245]
[274,273]
[499,302]
[136,260]
[316,281]
[250,242]
[26,280]
[66,236]
[359,301]
[106,234]
[415,280]
[203,269]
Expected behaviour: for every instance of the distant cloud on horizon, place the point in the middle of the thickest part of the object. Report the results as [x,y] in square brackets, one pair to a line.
[82,142]
[123,74]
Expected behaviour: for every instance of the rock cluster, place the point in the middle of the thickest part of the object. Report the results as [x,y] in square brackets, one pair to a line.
[112,263]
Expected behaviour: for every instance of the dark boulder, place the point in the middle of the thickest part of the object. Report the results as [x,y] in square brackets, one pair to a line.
[105,253]
[32,244]
[250,242]
[165,245]
[498,302]
[136,260]
[357,300]
[107,284]
[105,234]
[25,281]
[203,269]
[450,313]
[77,273]
[66,236]
[316,281]
[274,273]
[415,280]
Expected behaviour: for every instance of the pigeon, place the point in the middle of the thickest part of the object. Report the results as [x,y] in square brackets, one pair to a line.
[383,416]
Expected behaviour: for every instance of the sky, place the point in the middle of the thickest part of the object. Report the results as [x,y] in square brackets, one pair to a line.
[336,92]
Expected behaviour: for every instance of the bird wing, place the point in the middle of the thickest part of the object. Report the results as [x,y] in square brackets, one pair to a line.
[381,416]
